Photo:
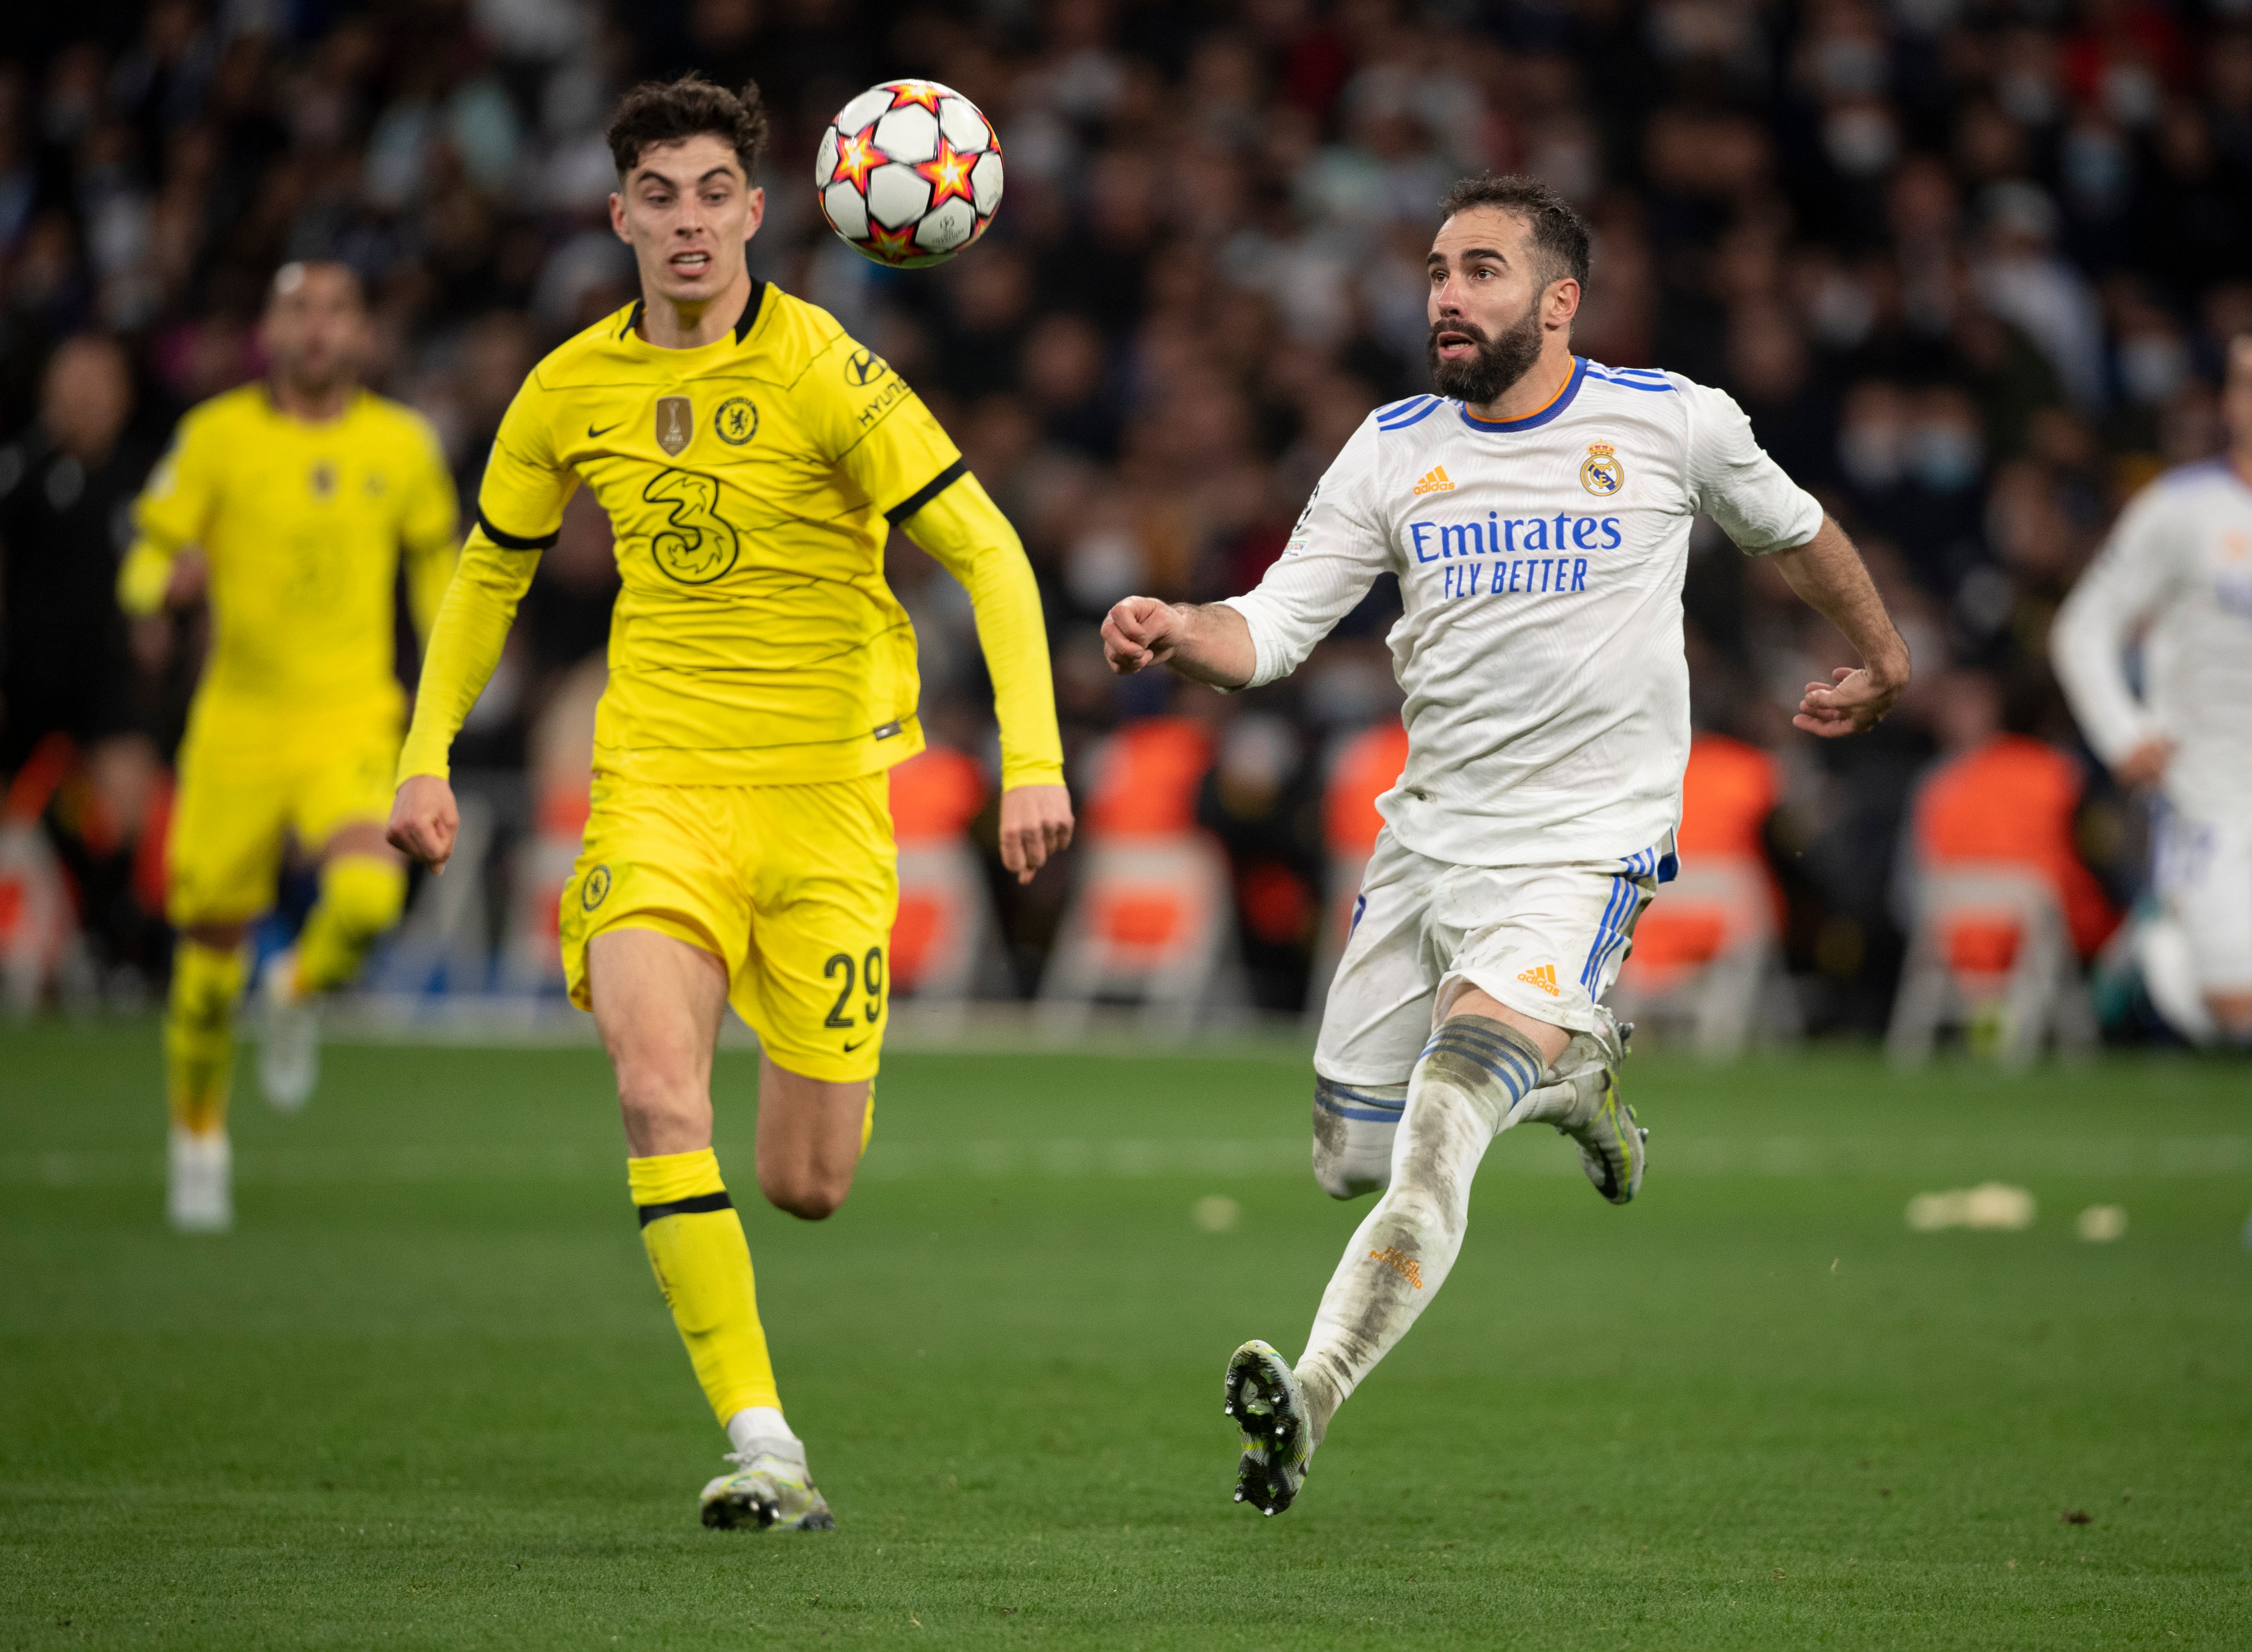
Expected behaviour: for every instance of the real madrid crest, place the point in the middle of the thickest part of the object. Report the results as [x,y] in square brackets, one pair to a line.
[1602,474]
[676,423]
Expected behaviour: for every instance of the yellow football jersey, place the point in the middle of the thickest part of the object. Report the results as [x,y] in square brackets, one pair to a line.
[302,526]
[750,484]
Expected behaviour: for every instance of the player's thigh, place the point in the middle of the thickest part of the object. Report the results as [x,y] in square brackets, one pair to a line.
[660,858]
[1378,1015]
[224,855]
[2205,876]
[825,890]
[347,787]
[1545,941]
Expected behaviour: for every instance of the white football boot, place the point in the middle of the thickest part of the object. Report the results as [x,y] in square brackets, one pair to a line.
[1263,1394]
[199,1187]
[1583,1101]
[289,1055]
[771,1486]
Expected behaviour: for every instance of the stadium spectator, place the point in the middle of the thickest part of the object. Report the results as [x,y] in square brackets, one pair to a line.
[1970,271]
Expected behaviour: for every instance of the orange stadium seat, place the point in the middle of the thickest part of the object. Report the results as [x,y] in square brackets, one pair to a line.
[2004,909]
[945,929]
[1708,949]
[1365,767]
[1152,918]
[39,917]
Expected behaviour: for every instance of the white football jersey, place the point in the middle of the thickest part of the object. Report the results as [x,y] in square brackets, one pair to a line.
[1540,562]
[2178,561]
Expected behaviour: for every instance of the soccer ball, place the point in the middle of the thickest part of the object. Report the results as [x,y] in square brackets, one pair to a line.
[909,173]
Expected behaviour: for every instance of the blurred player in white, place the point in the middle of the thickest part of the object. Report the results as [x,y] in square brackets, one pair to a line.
[1537,513]
[2179,569]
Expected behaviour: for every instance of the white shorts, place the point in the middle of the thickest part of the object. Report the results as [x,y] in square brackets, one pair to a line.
[2204,875]
[1545,940]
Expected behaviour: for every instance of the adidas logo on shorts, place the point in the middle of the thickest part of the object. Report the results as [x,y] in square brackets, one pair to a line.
[1435,480]
[1543,977]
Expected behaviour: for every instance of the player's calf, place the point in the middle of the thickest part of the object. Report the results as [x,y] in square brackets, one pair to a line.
[361,897]
[207,973]
[1354,1128]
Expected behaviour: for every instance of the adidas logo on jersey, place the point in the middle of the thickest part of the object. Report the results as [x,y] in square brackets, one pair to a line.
[1543,977]
[1435,480]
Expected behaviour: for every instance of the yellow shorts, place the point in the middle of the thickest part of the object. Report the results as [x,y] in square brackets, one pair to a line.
[234,816]
[793,888]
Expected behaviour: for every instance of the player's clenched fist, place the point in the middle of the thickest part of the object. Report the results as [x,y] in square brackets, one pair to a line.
[424,819]
[1140,631]
[1035,824]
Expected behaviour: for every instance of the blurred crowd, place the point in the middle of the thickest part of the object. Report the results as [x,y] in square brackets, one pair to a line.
[1968,264]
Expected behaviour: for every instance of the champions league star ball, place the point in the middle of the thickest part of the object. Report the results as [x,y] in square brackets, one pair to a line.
[909,173]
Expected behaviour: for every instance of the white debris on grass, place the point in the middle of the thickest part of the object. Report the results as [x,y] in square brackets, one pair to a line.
[2101,1224]
[1990,1204]
[1216,1213]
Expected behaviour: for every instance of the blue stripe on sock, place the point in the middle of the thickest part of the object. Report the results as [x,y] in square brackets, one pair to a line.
[1516,1074]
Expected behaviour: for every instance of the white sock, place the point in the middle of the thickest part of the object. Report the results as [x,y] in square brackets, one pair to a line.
[1472,1075]
[759,1422]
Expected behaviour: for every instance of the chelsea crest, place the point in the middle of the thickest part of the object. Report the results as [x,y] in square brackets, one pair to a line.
[1602,474]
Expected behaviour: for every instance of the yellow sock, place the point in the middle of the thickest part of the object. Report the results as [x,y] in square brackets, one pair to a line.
[702,1265]
[199,1034]
[360,899]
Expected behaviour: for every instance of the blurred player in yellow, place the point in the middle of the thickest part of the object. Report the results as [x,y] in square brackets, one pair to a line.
[289,505]
[753,460]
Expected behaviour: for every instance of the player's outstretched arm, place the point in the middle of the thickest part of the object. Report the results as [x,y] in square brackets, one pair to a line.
[1208,643]
[1828,574]
[965,530]
[465,645]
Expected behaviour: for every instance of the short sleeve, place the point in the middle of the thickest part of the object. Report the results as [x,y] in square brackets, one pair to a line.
[520,502]
[1732,481]
[863,418]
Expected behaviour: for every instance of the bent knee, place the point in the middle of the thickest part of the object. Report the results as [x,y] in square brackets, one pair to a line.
[1354,1129]
[810,1198]
[364,893]
[1347,1175]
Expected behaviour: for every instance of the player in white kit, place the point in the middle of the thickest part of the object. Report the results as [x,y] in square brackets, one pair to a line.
[2178,568]
[1537,512]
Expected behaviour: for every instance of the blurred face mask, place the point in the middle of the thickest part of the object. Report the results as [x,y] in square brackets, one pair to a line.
[1860,141]
[1945,457]
[2153,367]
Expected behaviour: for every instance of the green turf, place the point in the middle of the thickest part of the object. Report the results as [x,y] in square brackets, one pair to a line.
[426,1395]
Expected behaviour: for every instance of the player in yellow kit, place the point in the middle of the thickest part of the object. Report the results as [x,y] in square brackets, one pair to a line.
[289,503]
[753,460]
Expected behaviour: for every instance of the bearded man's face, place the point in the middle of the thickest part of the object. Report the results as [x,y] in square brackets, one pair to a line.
[1496,362]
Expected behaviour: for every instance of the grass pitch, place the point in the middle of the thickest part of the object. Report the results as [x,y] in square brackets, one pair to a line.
[426,1395]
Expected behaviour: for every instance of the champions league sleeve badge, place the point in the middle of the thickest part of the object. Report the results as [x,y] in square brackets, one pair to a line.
[1602,474]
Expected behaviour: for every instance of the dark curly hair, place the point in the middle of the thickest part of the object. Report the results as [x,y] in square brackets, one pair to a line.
[660,112]
[1559,232]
